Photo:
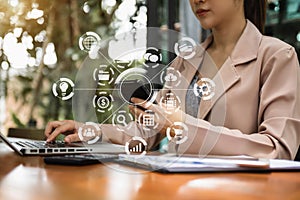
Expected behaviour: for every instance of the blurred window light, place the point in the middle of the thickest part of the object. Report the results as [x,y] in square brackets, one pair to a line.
[27,40]
[35,14]
[50,48]
[13,3]
[35,5]
[128,46]
[108,5]
[129,16]
[2,15]
[14,19]
[40,20]
[86,7]
[5,65]
[50,58]
[1,42]
[15,51]
[129,6]
[143,10]
[105,4]
[124,27]
[41,36]
[19,57]
[38,55]
[141,18]
[9,42]
[31,62]
[126,9]
[75,57]
[298,37]
[18,32]
[121,15]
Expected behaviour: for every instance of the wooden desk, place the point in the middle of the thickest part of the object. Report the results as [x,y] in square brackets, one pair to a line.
[28,178]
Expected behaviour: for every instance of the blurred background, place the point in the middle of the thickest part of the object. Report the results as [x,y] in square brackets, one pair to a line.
[39,43]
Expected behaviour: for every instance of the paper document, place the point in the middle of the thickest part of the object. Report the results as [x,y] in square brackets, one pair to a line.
[167,163]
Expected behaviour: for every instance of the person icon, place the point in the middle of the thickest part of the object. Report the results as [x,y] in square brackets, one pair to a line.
[89,132]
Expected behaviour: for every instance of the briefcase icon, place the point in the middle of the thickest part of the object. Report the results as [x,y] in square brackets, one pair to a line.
[103,75]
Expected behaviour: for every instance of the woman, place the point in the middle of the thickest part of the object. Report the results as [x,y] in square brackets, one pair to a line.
[259,97]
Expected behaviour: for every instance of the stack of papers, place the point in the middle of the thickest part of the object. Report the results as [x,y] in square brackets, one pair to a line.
[167,164]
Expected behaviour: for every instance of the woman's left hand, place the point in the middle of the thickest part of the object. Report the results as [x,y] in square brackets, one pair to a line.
[164,118]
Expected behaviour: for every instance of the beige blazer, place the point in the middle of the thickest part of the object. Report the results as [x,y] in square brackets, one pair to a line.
[255,110]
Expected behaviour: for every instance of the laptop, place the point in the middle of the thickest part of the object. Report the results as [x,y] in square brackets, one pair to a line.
[39,147]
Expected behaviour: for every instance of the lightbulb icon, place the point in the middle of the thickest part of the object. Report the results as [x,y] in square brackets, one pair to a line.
[63,87]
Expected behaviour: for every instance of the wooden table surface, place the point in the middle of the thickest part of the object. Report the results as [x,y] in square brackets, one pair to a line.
[28,178]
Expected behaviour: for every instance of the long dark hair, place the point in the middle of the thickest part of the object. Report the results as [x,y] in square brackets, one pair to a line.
[255,11]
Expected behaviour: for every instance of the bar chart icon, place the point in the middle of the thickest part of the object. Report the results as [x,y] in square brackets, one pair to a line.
[137,148]
[136,145]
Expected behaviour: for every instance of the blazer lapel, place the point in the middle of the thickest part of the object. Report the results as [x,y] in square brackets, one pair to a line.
[245,51]
[188,70]
[224,80]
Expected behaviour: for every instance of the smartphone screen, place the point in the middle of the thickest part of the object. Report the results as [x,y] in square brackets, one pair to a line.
[134,88]
[138,88]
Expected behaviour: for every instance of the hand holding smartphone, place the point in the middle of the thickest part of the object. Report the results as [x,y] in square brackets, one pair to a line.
[138,89]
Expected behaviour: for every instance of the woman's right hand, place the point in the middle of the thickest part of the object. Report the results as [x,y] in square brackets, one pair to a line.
[66,127]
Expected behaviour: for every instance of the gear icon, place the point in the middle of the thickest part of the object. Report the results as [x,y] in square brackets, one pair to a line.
[204,89]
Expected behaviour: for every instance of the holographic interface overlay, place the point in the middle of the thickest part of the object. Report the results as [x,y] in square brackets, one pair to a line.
[136,64]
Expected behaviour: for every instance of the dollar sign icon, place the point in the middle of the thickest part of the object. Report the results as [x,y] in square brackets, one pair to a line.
[103,102]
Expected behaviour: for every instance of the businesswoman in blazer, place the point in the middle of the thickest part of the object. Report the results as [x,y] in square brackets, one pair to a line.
[255,110]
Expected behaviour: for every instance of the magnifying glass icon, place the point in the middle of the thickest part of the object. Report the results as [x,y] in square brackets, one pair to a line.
[121,119]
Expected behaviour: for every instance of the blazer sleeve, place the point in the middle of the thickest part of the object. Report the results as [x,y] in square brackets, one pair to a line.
[278,117]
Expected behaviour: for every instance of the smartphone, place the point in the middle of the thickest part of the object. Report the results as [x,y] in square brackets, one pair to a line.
[135,88]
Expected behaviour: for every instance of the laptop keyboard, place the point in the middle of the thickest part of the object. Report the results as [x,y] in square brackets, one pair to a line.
[41,144]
